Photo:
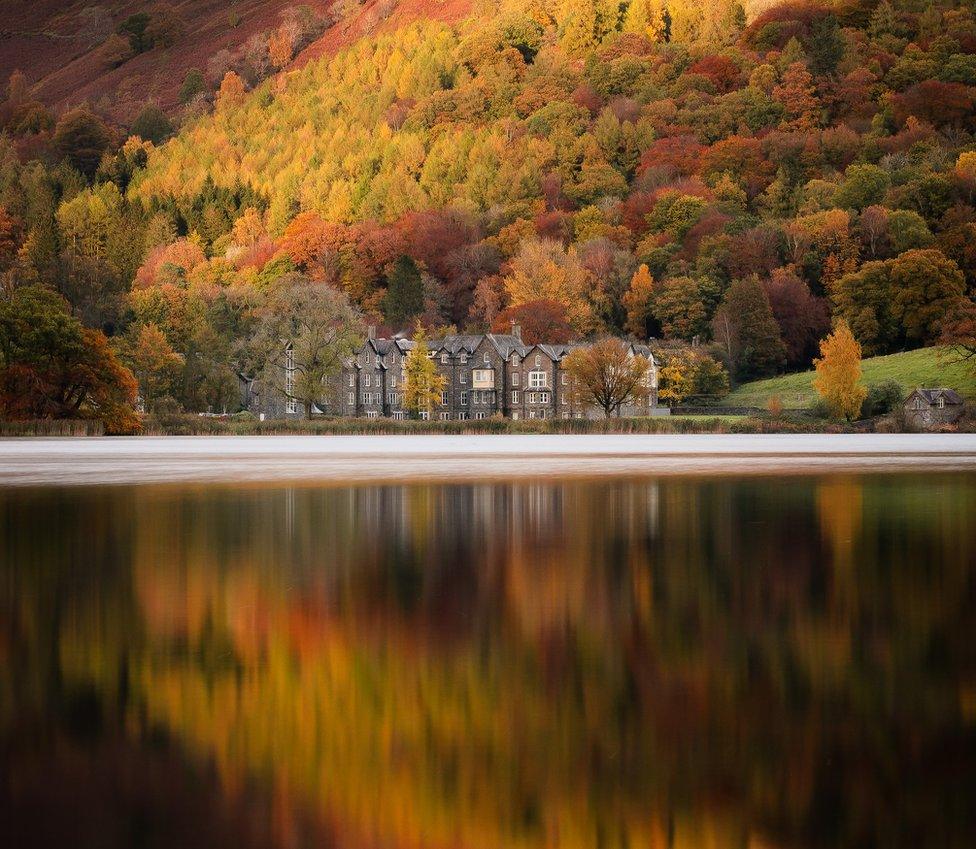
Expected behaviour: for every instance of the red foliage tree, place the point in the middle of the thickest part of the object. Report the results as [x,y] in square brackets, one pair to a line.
[541,322]
[802,317]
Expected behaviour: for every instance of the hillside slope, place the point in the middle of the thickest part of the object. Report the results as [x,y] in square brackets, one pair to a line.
[910,369]
[58,46]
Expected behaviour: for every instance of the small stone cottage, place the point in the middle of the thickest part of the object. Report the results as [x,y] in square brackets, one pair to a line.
[928,408]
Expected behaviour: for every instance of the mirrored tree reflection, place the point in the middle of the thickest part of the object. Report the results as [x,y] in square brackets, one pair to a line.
[657,663]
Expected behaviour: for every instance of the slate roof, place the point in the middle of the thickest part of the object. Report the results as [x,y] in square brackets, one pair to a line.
[932,395]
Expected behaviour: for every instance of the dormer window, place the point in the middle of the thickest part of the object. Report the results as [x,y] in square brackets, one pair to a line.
[515,359]
[464,357]
[940,403]
[538,361]
[367,358]
[444,359]
[486,358]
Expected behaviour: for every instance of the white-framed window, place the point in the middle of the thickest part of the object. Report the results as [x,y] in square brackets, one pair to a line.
[515,379]
[462,417]
[531,414]
[352,399]
[393,398]
[367,358]
[537,380]
[445,417]
[486,358]
[444,359]
[368,381]
[463,376]
[940,403]
[372,414]
[291,405]
[543,397]
[444,398]
[515,394]
[352,380]
[565,400]
[564,379]
[393,380]
[515,359]
[464,357]
[464,398]
[515,415]
[917,404]
[398,415]
[481,415]
[425,415]
[538,360]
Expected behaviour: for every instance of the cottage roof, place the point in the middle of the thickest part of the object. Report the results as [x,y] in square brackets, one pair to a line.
[932,396]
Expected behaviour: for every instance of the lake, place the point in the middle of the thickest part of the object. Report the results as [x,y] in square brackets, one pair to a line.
[657,660]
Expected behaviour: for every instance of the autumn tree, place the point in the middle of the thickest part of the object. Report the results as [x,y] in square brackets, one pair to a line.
[304,333]
[540,322]
[53,367]
[802,317]
[958,336]
[153,362]
[608,375]
[82,137]
[925,285]
[231,92]
[798,95]
[543,271]
[423,384]
[679,308]
[838,379]
[638,302]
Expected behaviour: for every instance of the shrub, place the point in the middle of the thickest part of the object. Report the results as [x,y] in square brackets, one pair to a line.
[882,398]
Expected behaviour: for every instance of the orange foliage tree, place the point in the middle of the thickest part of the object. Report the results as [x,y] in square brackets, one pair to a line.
[838,379]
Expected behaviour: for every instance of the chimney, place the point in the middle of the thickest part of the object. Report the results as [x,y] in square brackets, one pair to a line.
[371,332]
[516,330]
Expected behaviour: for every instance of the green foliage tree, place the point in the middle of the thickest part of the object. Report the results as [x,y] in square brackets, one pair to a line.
[152,124]
[925,285]
[82,138]
[304,331]
[746,331]
[404,297]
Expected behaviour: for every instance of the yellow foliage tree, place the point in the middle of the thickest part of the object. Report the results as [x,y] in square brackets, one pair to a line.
[608,376]
[637,302]
[423,385]
[838,379]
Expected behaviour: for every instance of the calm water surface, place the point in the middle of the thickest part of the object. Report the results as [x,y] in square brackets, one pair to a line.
[675,662]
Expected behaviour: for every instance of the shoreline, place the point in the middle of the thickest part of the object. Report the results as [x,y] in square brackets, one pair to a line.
[66,461]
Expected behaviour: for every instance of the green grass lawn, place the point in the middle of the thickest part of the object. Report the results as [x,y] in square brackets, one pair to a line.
[910,369]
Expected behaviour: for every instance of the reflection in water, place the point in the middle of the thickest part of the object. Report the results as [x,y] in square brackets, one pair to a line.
[654,663]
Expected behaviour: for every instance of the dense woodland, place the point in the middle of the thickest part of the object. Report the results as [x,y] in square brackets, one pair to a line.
[666,170]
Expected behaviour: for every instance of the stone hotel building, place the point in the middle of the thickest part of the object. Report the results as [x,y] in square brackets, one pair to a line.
[486,375]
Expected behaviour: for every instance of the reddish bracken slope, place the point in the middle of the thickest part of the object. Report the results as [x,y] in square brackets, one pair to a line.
[54,43]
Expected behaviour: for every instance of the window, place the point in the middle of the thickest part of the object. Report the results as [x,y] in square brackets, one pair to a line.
[917,405]
[464,357]
[291,405]
[352,399]
[352,380]
[444,359]
[486,358]
[462,417]
[463,377]
[445,417]
[369,379]
[531,414]
[515,359]
[480,416]
[543,397]
[564,379]
[372,414]
[940,403]
[515,396]
[484,378]
[367,358]
[515,379]
[444,398]
[537,379]
[464,398]
[515,415]
[565,400]
[565,415]
[398,416]
[538,360]
[393,380]
[425,415]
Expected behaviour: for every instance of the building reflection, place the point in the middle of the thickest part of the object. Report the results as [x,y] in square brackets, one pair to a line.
[672,662]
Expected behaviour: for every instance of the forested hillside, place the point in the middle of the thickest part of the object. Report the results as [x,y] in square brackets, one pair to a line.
[668,169]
